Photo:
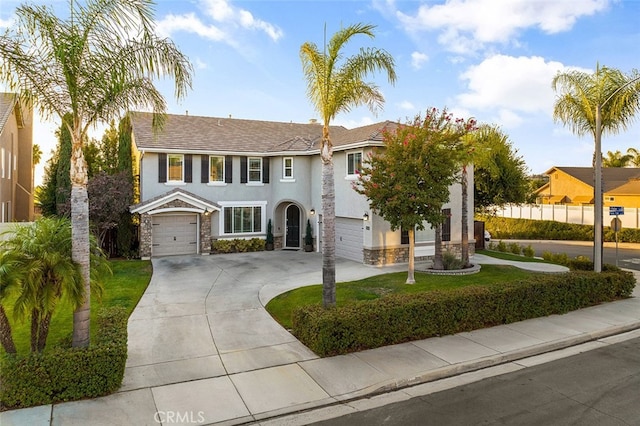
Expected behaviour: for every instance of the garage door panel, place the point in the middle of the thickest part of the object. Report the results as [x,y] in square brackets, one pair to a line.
[175,234]
[349,238]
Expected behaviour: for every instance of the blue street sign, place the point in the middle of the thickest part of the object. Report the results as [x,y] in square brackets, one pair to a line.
[616,211]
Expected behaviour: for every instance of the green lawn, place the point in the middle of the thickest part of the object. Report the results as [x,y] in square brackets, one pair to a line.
[129,281]
[282,306]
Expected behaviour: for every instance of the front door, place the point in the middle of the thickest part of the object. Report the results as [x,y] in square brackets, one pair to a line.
[293,227]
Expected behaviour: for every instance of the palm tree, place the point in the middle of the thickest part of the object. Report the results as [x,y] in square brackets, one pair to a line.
[11,276]
[333,88]
[43,251]
[95,65]
[605,101]
[616,159]
[635,156]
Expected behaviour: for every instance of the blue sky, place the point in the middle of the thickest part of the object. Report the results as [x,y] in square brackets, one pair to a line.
[489,59]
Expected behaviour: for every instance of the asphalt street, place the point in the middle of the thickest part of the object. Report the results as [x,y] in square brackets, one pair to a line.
[597,387]
[628,255]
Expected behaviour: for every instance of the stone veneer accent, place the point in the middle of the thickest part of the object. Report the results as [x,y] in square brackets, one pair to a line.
[145,236]
[379,257]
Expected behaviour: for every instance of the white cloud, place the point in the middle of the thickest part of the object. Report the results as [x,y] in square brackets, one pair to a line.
[417,59]
[190,23]
[200,64]
[406,105]
[467,25]
[227,20]
[510,83]
[7,23]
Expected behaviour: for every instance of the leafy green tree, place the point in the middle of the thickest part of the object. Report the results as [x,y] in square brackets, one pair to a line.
[635,156]
[110,197]
[43,253]
[500,175]
[616,159]
[125,235]
[407,182]
[63,168]
[94,65]
[11,277]
[336,84]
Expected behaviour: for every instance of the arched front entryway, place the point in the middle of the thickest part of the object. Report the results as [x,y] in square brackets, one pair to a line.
[292,227]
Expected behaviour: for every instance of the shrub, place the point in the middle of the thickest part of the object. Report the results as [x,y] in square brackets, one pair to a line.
[515,248]
[67,374]
[400,318]
[238,245]
[450,261]
[528,251]
[508,228]
[502,247]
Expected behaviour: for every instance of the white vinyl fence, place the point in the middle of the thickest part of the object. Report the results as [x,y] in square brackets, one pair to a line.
[582,215]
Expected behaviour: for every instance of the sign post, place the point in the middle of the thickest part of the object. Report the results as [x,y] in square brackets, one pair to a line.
[616,223]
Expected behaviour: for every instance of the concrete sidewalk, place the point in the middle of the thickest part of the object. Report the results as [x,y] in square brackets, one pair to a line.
[203,350]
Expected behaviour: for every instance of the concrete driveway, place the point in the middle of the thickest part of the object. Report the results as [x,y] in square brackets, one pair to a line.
[204,316]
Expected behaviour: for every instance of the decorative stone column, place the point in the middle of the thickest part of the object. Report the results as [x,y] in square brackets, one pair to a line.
[145,236]
[205,233]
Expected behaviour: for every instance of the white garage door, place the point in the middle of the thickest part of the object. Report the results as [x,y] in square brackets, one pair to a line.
[174,234]
[349,238]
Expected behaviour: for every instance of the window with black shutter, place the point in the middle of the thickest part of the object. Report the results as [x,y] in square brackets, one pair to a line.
[243,169]
[162,168]
[188,168]
[228,169]
[265,170]
[204,169]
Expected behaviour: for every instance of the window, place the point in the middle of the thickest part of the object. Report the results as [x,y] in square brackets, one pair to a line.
[175,168]
[239,220]
[287,168]
[255,169]
[216,169]
[354,163]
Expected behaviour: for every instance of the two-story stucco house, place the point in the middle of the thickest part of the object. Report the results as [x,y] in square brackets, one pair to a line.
[16,160]
[207,178]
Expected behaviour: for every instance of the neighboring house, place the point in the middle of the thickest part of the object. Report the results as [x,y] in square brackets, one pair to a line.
[16,160]
[208,178]
[574,186]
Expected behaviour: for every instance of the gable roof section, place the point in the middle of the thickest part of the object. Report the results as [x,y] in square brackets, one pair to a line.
[197,202]
[612,177]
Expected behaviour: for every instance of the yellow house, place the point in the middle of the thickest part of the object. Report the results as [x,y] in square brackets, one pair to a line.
[574,186]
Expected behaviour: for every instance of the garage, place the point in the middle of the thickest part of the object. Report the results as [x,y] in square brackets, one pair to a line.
[174,234]
[349,238]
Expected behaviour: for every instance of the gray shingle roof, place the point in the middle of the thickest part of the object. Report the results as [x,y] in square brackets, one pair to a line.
[217,134]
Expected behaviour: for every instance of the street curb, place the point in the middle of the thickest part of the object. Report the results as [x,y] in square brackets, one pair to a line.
[453,370]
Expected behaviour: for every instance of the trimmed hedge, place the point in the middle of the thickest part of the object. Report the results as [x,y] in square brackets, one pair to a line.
[527,229]
[67,374]
[401,318]
[238,245]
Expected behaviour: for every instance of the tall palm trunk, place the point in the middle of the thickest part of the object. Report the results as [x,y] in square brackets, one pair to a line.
[5,333]
[80,239]
[328,222]
[437,258]
[412,255]
[465,218]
